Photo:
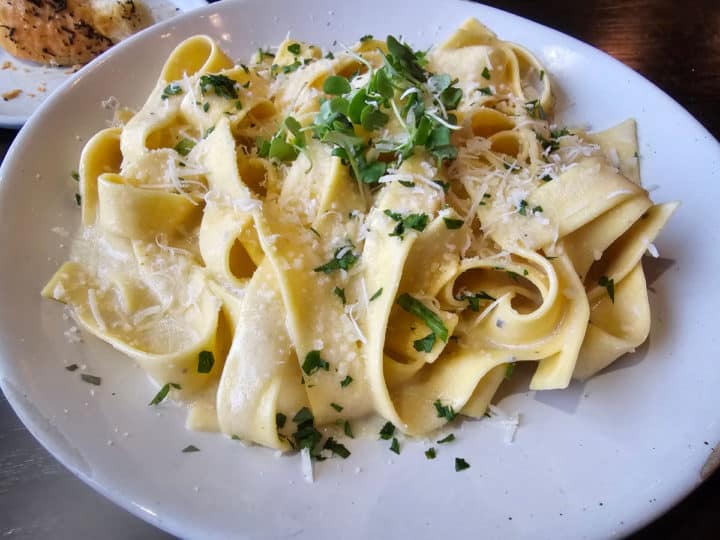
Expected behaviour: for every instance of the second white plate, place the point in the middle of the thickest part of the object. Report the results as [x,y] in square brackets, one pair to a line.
[35,82]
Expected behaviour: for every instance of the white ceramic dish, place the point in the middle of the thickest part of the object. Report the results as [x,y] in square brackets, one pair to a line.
[594,461]
[37,81]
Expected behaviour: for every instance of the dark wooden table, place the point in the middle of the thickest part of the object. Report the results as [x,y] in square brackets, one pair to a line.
[674,44]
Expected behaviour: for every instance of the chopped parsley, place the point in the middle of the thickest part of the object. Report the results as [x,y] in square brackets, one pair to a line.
[509,370]
[347,430]
[366,37]
[609,284]
[71,367]
[346,381]
[485,73]
[190,448]
[294,48]
[91,379]
[387,431]
[337,407]
[395,446]
[376,295]
[522,209]
[184,146]
[401,88]
[163,392]
[485,90]
[343,259]
[461,464]
[430,453]
[407,183]
[206,360]
[474,299]
[222,86]
[340,293]
[78,199]
[336,448]
[535,109]
[313,362]
[428,316]
[416,222]
[450,438]
[75,176]
[444,411]
[451,223]
[425,344]
[336,85]
[306,435]
[171,90]
[280,420]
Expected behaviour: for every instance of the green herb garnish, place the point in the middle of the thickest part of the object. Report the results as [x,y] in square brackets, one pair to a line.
[280,420]
[171,90]
[340,293]
[184,146]
[206,360]
[486,73]
[190,448]
[313,362]
[337,407]
[461,464]
[294,48]
[451,223]
[222,86]
[163,392]
[430,453]
[336,448]
[609,284]
[425,344]
[428,316]
[91,379]
[344,259]
[417,222]
[444,411]
[376,295]
[387,431]
[346,381]
[450,438]
[395,446]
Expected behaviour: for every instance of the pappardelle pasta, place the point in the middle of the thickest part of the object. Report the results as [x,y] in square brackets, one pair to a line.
[310,239]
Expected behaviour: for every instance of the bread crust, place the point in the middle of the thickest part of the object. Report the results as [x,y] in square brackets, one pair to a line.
[67,32]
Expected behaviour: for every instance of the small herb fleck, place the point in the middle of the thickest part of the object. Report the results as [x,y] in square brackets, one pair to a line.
[91,379]
[609,284]
[340,293]
[445,411]
[337,407]
[206,360]
[71,367]
[313,363]
[450,438]
[395,446]
[190,448]
[376,295]
[387,431]
[461,464]
[430,453]
[163,392]
[346,381]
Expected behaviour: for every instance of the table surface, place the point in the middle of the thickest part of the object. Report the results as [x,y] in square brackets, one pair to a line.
[674,44]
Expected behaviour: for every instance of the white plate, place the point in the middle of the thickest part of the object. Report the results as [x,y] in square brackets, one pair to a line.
[593,461]
[37,81]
